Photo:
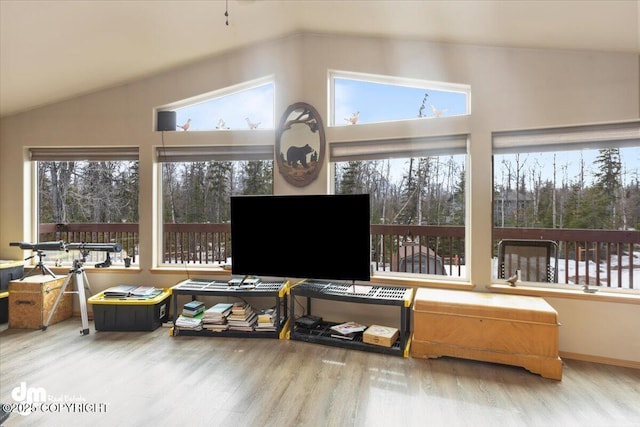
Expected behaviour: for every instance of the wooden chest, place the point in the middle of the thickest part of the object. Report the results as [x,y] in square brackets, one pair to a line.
[32,299]
[509,329]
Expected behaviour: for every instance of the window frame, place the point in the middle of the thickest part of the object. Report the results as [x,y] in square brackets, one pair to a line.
[597,136]
[391,81]
[34,155]
[183,154]
[222,93]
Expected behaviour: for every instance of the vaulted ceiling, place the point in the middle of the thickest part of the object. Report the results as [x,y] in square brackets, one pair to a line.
[54,50]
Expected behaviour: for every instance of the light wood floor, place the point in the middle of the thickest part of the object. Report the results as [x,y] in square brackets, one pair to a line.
[153,379]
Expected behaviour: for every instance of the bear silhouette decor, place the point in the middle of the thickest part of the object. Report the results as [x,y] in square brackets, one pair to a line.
[298,154]
[300,164]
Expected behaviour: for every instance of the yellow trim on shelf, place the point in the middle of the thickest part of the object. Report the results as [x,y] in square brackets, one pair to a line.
[99,299]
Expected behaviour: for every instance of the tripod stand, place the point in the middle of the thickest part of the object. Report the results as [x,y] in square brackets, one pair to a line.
[40,265]
[82,283]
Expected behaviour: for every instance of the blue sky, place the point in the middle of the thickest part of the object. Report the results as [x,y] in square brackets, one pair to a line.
[378,102]
[255,104]
[373,101]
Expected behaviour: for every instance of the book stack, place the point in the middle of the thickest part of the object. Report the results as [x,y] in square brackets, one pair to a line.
[189,323]
[215,317]
[347,330]
[267,320]
[193,308]
[242,317]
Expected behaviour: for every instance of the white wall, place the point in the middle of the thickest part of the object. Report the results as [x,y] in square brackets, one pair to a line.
[511,89]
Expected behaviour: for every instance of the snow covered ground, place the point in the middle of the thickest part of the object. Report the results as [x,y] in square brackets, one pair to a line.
[626,280]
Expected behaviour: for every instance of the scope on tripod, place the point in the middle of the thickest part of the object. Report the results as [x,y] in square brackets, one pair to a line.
[42,246]
[102,247]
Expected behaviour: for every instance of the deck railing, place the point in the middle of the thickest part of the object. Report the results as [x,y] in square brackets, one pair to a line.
[607,258]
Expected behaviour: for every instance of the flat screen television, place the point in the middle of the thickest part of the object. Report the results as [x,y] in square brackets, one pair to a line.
[303,236]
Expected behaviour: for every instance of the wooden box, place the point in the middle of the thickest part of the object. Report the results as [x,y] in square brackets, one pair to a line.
[380,335]
[32,299]
[509,329]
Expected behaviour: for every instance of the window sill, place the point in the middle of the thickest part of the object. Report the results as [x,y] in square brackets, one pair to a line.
[604,296]
[213,271]
[63,271]
[421,283]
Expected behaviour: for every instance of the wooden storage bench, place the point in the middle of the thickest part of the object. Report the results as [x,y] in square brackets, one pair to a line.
[509,329]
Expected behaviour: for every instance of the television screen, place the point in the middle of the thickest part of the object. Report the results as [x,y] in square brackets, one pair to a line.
[307,236]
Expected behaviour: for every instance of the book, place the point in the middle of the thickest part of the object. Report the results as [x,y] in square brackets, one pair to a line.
[267,315]
[348,328]
[189,323]
[215,328]
[218,311]
[193,308]
[264,327]
[348,337]
[249,320]
[244,283]
[120,291]
[193,305]
[145,292]
[240,307]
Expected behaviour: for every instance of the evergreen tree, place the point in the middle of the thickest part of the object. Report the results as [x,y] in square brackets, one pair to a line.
[219,180]
[352,178]
[257,177]
[608,183]
[409,194]
[458,200]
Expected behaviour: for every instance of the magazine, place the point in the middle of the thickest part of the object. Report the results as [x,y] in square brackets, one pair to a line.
[348,328]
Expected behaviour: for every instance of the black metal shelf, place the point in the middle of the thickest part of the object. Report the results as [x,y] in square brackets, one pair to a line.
[359,294]
[208,288]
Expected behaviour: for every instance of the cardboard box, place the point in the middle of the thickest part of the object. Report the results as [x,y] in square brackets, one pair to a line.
[384,336]
[130,314]
[31,301]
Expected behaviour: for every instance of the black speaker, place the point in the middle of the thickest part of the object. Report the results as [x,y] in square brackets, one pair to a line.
[166,120]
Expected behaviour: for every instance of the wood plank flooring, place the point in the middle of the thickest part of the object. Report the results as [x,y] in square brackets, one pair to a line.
[153,379]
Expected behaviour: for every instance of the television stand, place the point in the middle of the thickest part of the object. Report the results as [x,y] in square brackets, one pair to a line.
[352,293]
[209,288]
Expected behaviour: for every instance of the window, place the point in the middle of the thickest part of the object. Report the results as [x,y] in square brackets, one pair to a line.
[364,98]
[249,105]
[197,183]
[417,211]
[578,187]
[416,183]
[88,195]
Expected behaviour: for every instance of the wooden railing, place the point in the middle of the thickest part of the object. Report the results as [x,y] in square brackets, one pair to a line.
[197,243]
[607,258]
[443,244]
[125,233]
